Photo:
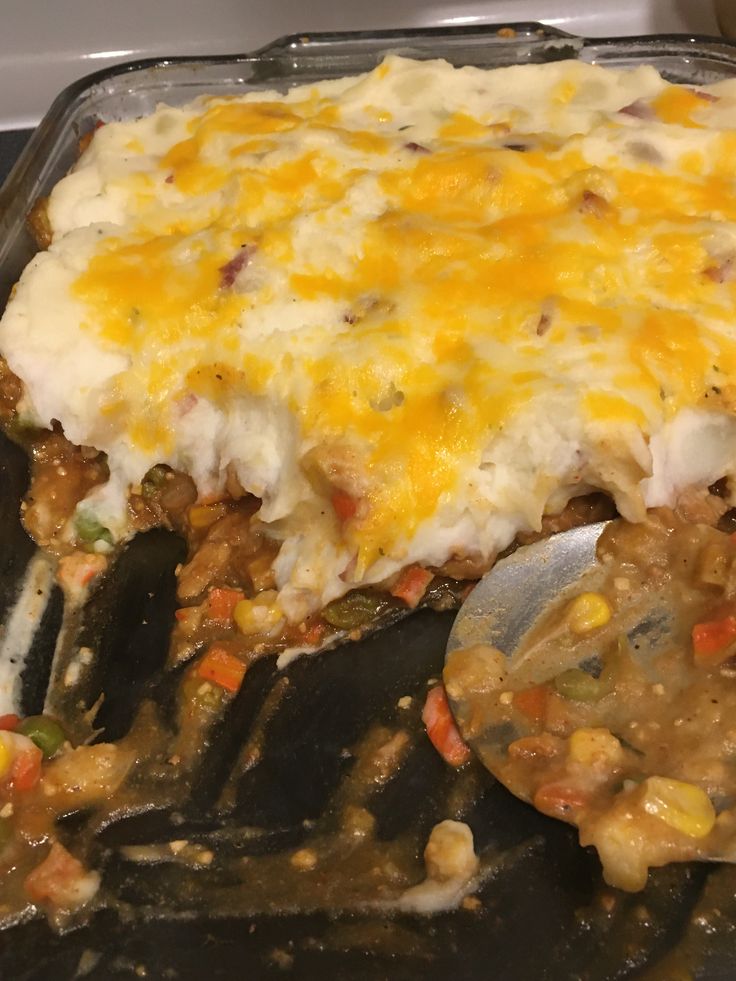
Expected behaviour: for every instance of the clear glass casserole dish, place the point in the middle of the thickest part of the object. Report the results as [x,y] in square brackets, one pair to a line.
[134,89]
[552,883]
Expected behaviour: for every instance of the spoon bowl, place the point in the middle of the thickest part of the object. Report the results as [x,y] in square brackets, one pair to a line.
[513,637]
[518,589]
[499,613]
[513,598]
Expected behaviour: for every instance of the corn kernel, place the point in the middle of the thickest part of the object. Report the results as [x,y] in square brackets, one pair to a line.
[204,515]
[261,615]
[682,806]
[6,756]
[588,746]
[304,859]
[588,612]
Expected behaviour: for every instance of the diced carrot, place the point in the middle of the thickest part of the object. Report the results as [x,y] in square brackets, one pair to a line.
[441,729]
[222,667]
[560,800]
[183,613]
[79,569]
[412,584]
[9,722]
[88,575]
[221,603]
[713,640]
[532,702]
[25,771]
[314,633]
[344,504]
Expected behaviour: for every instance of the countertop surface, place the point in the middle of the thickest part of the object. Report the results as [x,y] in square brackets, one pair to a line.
[43,48]
[11,143]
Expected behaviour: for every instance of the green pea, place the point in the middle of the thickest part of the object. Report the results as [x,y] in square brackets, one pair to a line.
[45,732]
[580,686]
[355,609]
[89,530]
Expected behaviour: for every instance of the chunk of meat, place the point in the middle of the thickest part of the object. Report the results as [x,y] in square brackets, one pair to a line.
[229,272]
[466,567]
[645,151]
[77,572]
[86,775]
[586,510]
[178,493]
[593,204]
[11,389]
[705,96]
[61,881]
[39,224]
[335,466]
[722,271]
[224,554]
[639,109]
[165,498]
[62,475]
[698,506]
[206,567]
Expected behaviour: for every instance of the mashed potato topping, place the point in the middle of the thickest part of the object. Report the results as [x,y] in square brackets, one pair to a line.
[411,311]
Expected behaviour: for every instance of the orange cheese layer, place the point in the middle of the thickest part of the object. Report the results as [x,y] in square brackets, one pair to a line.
[406,265]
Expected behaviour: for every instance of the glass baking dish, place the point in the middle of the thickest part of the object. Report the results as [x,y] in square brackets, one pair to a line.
[545,893]
[134,89]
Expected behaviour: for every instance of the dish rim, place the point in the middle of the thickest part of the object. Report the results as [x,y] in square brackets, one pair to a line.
[295,58]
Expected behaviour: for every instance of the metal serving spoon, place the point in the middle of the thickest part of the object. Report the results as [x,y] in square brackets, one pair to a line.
[499,612]
[504,607]
[494,651]
[510,597]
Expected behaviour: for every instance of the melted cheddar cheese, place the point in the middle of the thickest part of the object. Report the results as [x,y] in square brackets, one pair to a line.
[458,296]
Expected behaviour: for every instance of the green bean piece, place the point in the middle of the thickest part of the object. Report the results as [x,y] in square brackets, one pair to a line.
[154,480]
[355,609]
[45,732]
[579,686]
[89,530]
